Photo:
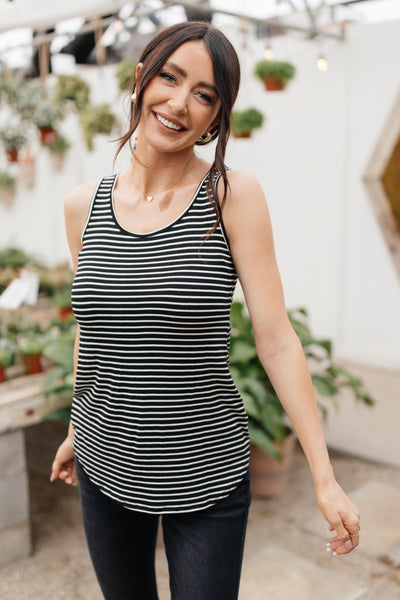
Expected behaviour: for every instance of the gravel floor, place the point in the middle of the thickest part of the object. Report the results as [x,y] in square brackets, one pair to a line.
[60,569]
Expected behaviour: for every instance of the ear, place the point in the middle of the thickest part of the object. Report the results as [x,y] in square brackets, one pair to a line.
[138,69]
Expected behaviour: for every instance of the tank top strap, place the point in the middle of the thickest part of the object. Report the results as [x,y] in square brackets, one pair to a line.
[101,199]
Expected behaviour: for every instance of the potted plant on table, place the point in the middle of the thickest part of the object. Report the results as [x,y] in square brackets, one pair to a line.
[272,440]
[30,348]
[243,122]
[45,117]
[274,74]
[7,188]
[13,138]
[6,358]
[62,299]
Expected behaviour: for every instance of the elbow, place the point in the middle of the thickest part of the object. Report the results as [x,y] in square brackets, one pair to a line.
[271,345]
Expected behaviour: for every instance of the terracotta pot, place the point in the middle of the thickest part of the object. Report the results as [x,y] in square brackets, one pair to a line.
[269,477]
[2,374]
[64,313]
[48,136]
[274,84]
[57,160]
[7,197]
[27,174]
[244,134]
[12,155]
[32,363]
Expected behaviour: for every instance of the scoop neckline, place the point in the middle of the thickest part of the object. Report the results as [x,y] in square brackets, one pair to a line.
[160,229]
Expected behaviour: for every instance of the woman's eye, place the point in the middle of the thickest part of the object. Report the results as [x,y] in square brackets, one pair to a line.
[167,77]
[205,97]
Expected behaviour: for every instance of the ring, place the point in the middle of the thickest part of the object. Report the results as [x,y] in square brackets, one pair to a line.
[349,535]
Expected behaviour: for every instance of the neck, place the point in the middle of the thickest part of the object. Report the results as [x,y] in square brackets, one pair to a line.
[154,171]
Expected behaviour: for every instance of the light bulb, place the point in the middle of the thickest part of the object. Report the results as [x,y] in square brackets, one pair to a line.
[322,63]
[268,53]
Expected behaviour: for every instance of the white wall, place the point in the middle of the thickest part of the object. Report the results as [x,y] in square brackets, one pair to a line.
[309,157]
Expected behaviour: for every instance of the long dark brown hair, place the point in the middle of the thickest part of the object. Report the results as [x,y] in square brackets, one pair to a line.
[227,78]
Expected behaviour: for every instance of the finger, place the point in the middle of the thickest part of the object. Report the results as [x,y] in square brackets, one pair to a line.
[343,544]
[55,470]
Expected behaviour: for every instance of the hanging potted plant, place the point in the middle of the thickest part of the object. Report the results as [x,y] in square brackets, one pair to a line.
[274,74]
[97,119]
[6,357]
[57,152]
[30,349]
[45,117]
[244,121]
[13,138]
[71,88]
[125,73]
[7,188]
[272,440]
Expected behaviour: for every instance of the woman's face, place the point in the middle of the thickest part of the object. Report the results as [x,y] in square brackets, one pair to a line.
[180,103]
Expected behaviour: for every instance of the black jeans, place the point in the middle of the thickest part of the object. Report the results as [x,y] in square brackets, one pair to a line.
[204,549]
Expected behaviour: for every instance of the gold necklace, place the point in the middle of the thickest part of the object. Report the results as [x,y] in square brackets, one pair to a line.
[150,198]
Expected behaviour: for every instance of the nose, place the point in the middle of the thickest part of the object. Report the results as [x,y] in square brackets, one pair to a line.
[178,101]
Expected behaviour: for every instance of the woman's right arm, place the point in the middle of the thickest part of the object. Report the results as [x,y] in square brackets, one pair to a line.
[76,210]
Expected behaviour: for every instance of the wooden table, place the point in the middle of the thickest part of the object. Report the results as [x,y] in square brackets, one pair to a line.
[22,403]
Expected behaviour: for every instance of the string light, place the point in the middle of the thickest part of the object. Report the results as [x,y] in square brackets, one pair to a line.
[268,53]
[322,63]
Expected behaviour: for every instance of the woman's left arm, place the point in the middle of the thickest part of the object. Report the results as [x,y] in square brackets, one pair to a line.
[248,226]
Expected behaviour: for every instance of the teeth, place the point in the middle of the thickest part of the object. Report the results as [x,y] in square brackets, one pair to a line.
[168,123]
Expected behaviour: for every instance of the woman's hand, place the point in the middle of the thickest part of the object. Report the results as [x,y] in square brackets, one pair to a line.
[64,463]
[342,516]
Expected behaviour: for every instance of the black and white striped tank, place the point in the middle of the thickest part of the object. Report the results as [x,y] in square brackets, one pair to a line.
[159,424]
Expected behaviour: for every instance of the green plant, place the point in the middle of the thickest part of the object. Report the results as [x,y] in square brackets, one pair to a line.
[95,120]
[53,278]
[281,70]
[7,182]
[60,380]
[31,340]
[266,415]
[13,136]
[62,298]
[60,146]
[6,357]
[125,73]
[72,88]
[245,121]
[46,115]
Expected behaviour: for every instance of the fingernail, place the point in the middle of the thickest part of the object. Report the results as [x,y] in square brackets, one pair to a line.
[329,549]
[334,554]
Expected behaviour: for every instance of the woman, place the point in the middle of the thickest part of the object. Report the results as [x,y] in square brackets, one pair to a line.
[157,426]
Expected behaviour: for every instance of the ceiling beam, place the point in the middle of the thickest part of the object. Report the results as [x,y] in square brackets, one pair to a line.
[257,20]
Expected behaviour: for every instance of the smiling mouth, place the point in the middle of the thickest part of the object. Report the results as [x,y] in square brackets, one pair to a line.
[168,123]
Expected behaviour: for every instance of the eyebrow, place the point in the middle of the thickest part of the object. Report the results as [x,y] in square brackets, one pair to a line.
[182,72]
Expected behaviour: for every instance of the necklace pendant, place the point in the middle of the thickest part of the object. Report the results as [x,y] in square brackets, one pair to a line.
[149,198]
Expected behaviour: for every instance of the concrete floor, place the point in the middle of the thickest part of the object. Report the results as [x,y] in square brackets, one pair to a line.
[285,556]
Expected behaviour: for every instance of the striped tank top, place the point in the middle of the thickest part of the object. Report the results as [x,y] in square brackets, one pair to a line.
[159,424]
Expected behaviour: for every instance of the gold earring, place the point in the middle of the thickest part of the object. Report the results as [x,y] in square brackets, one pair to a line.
[133,98]
[206,137]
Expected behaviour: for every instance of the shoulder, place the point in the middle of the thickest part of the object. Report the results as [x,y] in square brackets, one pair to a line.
[77,201]
[245,203]
[241,182]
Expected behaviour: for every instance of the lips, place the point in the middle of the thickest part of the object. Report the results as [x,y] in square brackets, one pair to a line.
[169,123]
